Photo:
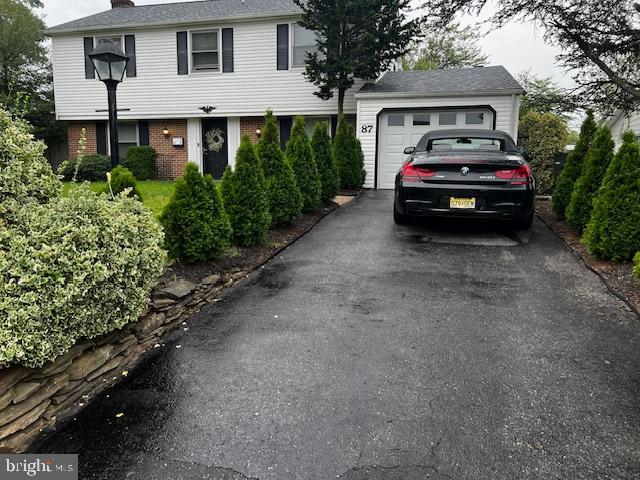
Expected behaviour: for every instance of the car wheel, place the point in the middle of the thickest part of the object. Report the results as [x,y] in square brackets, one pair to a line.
[524,223]
[400,218]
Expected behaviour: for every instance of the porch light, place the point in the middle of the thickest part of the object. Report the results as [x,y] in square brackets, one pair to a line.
[258,132]
[110,63]
[166,132]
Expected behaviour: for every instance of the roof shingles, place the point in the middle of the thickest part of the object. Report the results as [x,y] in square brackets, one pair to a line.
[177,13]
[442,82]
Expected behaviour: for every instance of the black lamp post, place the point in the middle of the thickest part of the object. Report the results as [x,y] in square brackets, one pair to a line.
[110,62]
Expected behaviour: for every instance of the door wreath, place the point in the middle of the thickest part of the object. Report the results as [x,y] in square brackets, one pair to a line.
[215,140]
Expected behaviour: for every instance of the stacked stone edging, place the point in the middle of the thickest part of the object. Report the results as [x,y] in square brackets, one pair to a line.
[33,400]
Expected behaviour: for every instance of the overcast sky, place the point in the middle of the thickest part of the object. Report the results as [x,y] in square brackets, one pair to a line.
[518,47]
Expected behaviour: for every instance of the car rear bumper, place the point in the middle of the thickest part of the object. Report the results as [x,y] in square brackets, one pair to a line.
[499,203]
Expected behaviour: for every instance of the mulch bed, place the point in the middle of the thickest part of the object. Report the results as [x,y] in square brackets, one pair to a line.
[618,277]
[247,259]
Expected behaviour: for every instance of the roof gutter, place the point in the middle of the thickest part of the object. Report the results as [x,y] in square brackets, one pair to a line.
[56,31]
[461,93]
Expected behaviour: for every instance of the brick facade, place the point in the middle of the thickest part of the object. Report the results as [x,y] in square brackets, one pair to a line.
[249,125]
[73,132]
[171,160]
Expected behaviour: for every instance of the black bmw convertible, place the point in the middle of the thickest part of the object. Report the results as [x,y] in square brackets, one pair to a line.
[468,174]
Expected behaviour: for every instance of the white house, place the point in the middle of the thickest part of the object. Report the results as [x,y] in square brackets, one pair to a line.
[217,66]
[621,122]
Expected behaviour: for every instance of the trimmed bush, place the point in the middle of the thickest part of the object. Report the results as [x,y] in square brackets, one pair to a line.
[348,157]
[573,166]
[245,198]
[92,168]
[285,200]
[300,157]
[636,265]
[614,229]
[594,169]
[74,268]
[542,136]
[329,178]
[121,180]
[25,175]
[141,161]
[195,223]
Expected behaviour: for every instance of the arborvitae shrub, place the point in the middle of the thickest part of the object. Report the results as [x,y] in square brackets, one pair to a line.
[195,223]
[348,157]
[285,200]
[573,166]
[245,197]
[614,229]
[300,156]
[121,179]
[594,169]
[329,178]
[141,161]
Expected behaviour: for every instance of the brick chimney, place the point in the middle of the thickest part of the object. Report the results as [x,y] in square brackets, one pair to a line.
[121,3]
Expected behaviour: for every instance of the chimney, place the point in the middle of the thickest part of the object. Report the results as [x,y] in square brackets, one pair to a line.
[121,3]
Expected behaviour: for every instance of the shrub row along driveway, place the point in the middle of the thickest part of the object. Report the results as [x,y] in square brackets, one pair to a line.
[373,351]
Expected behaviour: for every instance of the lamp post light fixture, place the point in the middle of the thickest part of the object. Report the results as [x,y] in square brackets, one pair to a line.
[110,63]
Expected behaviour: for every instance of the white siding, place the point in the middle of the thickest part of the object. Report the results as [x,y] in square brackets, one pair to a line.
[505,106]
[624,123]
[159,92]
[194,139]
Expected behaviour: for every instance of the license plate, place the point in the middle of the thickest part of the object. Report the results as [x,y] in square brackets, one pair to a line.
[467,203]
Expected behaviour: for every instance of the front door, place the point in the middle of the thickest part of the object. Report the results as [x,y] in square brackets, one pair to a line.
[215,146]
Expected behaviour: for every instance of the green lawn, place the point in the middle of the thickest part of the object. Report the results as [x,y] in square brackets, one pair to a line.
[155,193]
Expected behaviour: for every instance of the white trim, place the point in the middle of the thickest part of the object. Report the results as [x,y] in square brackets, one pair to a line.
[233,139]
[194,141]
[466,93]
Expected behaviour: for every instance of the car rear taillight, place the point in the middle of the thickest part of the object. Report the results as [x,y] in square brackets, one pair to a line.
[412,173]
[518,176]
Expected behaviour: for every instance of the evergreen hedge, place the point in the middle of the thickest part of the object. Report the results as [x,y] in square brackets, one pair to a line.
[141,161]
[300,156]
[573,166]
[245,197]
[91,168]
[614,229]
[322,150]
[348,157]
[122,179]
[285,199]
[195,223]
[595,166]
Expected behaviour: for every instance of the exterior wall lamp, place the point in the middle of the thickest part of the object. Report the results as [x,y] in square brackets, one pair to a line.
[166,132]
[258,132]
[110,63]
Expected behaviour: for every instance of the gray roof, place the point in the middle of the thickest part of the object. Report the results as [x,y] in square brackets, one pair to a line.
[444,82]
[177,13]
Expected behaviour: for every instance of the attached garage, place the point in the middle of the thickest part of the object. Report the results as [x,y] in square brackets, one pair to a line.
[396,111]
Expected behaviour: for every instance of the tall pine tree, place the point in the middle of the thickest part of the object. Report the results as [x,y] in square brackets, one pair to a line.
[300,156]
[356,39]
[245,197]
[285,200]
[329,178]
[573,166]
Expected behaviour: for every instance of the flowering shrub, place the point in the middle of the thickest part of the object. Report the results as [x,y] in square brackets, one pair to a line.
[77,267]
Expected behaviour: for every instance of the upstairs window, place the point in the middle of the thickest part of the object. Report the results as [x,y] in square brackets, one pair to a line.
[304,41]
[205,51]
[116,40]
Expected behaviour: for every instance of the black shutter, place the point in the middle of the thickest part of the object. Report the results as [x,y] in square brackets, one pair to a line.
[130,51]
[183,53]
[227,49]
[101,138]
[285,130]
[143,132]
[283,46]
[89,72]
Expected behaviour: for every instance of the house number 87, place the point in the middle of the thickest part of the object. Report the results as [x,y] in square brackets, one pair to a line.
[366,128]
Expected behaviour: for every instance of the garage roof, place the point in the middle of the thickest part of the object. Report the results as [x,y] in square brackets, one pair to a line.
[178,13]
[437,83]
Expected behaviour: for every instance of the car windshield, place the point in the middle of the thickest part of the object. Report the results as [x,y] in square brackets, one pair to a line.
[466,143]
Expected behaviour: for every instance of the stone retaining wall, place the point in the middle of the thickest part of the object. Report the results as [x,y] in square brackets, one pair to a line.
[32,400]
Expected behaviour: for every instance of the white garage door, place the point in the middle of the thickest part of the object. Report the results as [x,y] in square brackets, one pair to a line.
[399,130]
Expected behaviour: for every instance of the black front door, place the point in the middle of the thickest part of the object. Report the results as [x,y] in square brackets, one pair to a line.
[215,146]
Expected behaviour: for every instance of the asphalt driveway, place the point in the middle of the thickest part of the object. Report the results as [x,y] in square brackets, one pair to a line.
[371,351]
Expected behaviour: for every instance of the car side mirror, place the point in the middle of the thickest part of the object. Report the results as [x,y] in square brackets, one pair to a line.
[522,151]
[409,150]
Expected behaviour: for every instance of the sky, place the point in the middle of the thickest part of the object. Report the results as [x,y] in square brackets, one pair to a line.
[518,47]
